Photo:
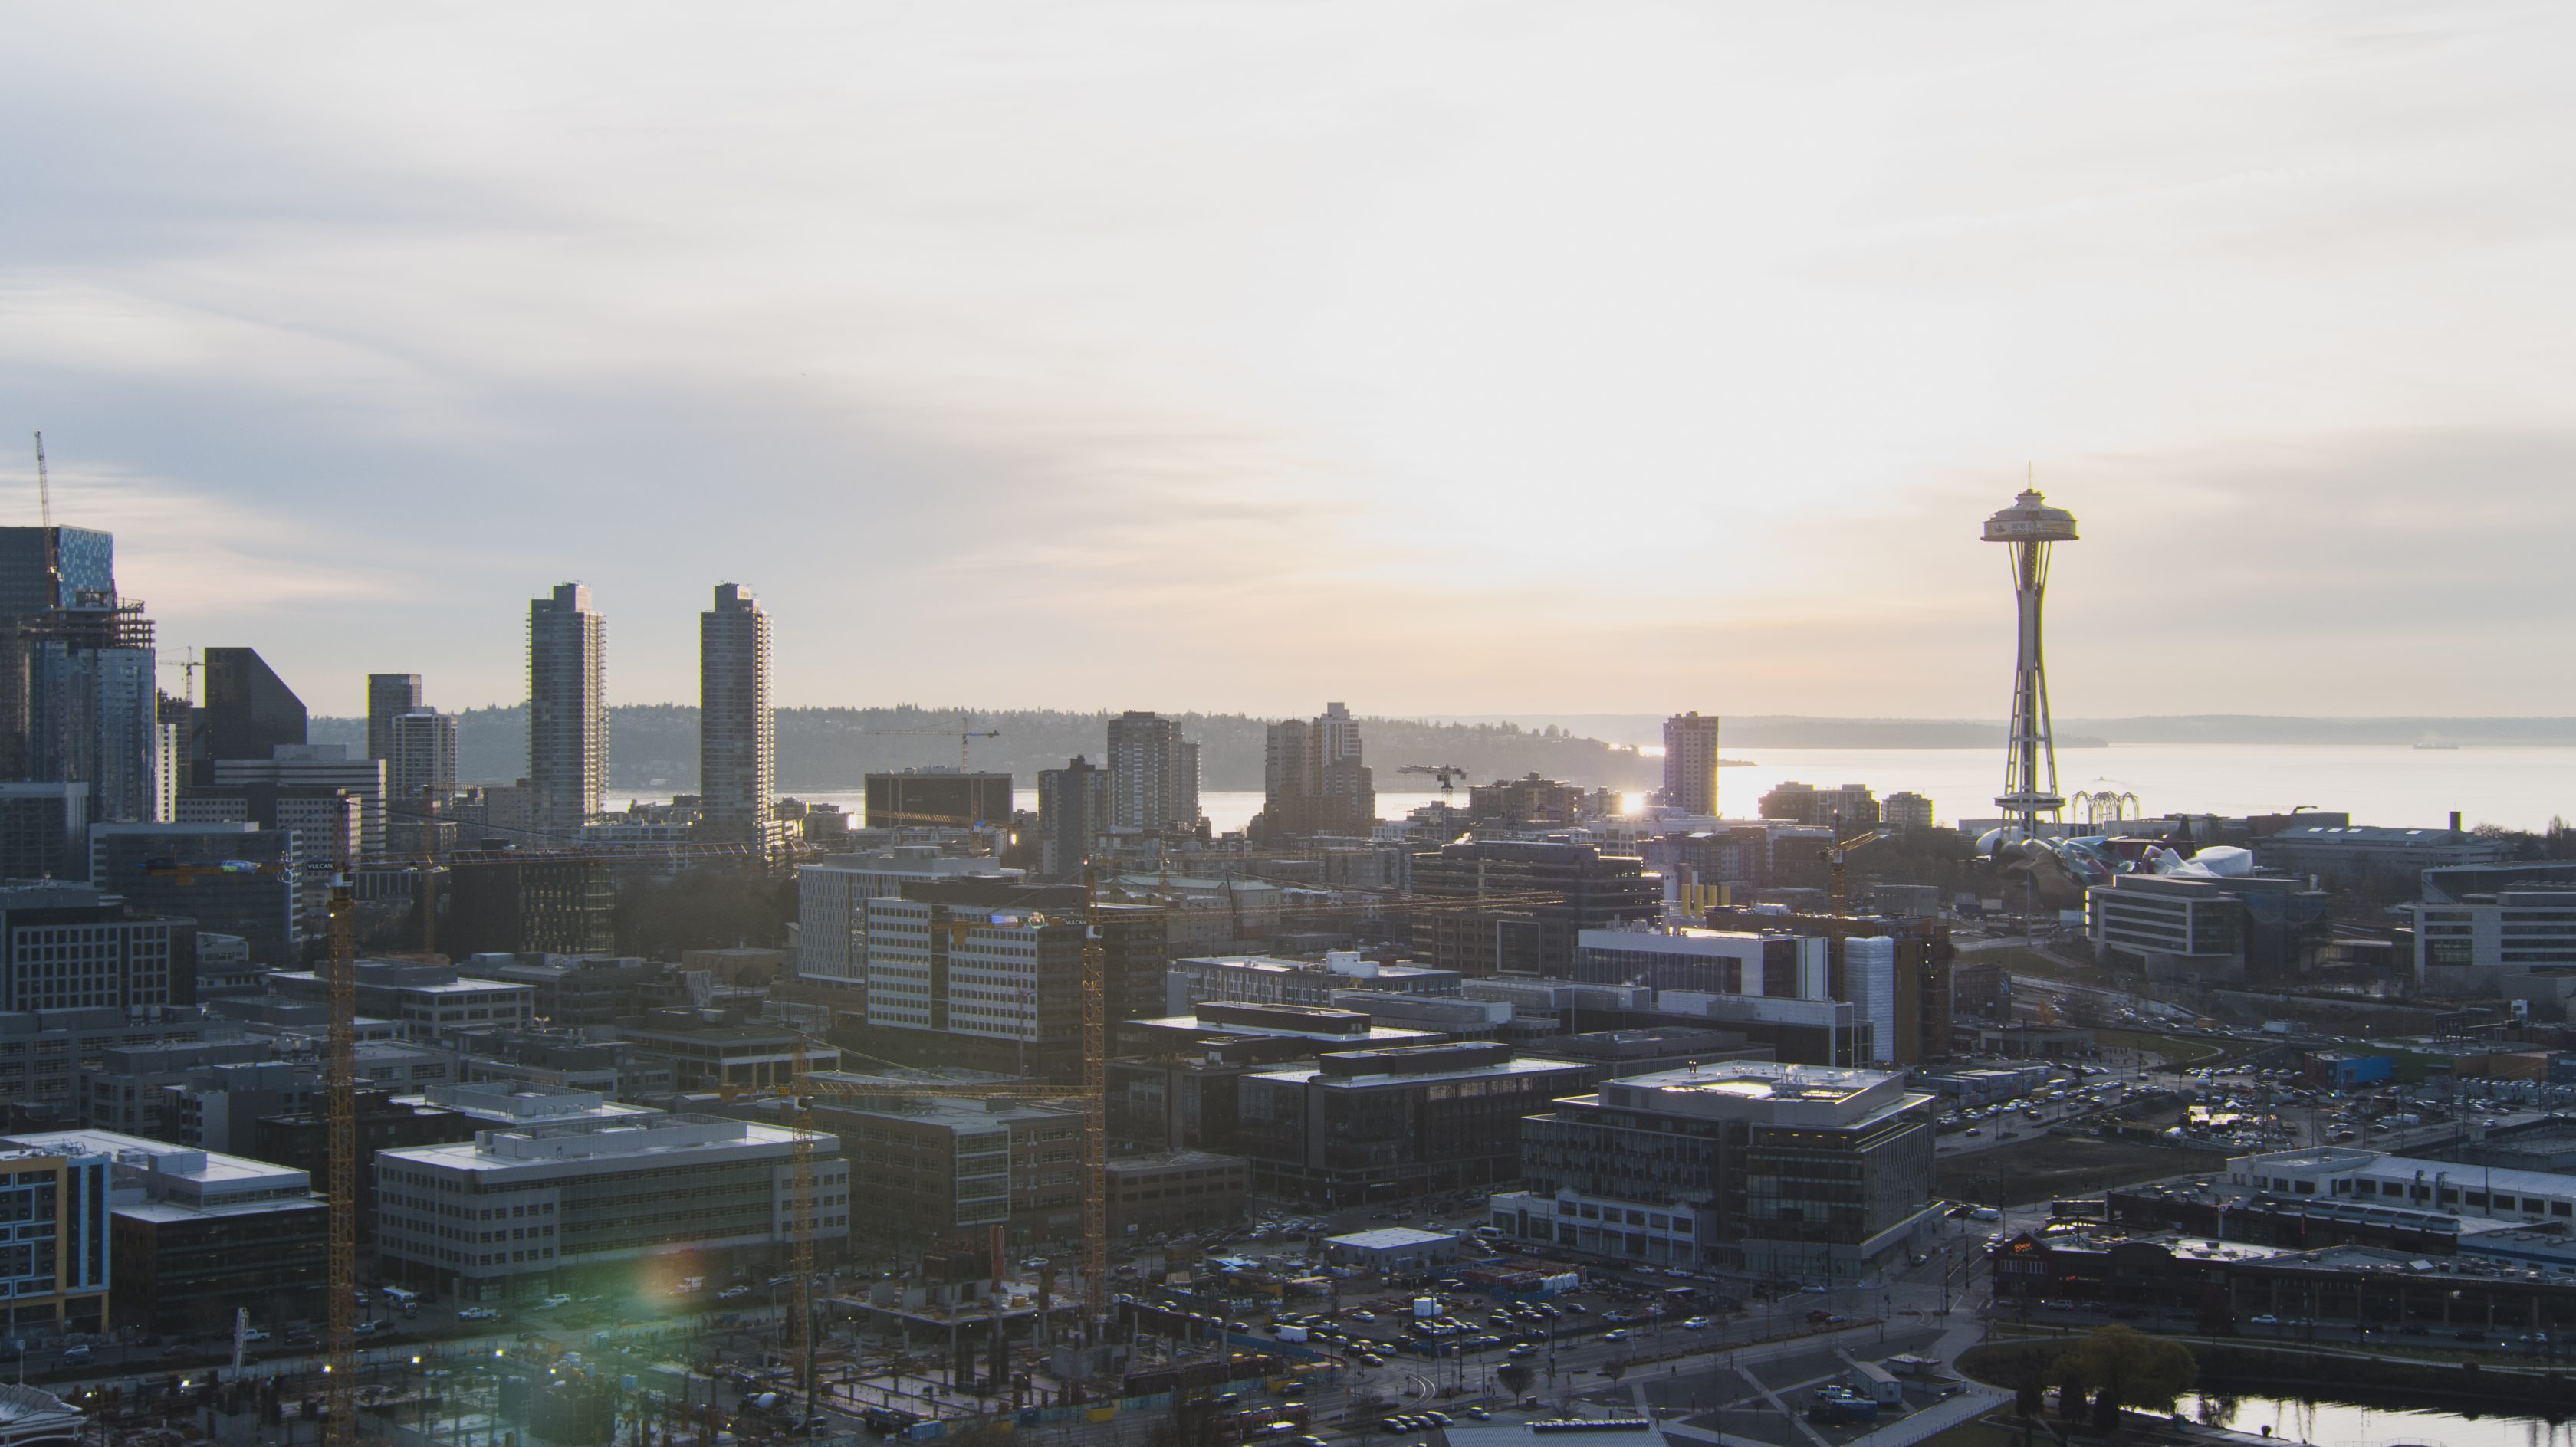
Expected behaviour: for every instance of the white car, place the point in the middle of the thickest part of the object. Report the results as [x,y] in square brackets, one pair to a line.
[551,1302]
[478,1313]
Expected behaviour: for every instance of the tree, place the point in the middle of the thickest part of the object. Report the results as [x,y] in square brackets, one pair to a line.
[2216,1317]
[2119,1368]
[1516,1378]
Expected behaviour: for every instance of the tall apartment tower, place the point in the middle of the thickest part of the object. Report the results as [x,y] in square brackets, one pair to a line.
[1690,764]
[1312,779]
[567,709]
[737,735]
[389,697]
[1153,773]
[420,763]
[1073,810]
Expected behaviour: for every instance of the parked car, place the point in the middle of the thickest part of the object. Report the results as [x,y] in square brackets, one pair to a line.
[478,1313]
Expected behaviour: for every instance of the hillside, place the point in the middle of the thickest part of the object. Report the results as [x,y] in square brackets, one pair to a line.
[654,747]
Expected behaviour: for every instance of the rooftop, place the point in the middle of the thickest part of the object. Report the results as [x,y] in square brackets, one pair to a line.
[157,1181]
[1390,1238]
[613,1139]
[2381,1166]
[1326,1030]
[1522,1065]
[2367,834]
[1764,1080]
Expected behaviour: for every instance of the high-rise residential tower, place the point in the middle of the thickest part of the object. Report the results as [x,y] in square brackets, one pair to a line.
[420,765]
[567,709]
[1690,764]
[389,697]
[1073,810]
[1312,779]
[2029,527]
[1153,774]
[737,736]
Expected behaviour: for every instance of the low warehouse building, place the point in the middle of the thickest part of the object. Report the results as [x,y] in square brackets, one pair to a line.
[1394,1250]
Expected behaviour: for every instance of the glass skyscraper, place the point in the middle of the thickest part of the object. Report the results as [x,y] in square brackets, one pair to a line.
[79,693]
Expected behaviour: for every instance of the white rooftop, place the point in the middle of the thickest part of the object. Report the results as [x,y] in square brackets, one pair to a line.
[1389,1238]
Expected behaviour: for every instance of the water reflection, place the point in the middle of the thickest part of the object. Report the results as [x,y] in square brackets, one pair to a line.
[2343,1424]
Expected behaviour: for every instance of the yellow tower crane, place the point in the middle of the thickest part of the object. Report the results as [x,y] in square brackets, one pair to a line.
[965,734]
[340,1092]
[1092,1093]
[1449,775]
[1834,855]
[340,1087]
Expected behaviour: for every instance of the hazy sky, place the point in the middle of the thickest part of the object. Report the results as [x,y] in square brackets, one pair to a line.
[1441,358]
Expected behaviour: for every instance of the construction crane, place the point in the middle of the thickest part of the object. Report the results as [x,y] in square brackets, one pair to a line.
[1091,1093]
[1833,856]
[340,1091]
[1449,775]
[340,1086]
[965,734]
[44,487]
[804,1218]
[187,665]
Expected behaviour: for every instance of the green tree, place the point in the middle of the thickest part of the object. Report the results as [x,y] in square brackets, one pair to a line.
[2118,1367]
[2216,1317]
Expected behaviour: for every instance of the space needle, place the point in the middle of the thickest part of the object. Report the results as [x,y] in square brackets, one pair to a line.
[2030,755]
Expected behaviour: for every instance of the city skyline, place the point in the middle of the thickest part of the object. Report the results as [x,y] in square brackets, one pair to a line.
[1401,352]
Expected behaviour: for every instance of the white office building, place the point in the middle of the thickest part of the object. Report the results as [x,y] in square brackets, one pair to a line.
[563,1193]
[1723,962]
[2375,1178]
[1869,982]
[428,1002]
[313,769]
[832,900]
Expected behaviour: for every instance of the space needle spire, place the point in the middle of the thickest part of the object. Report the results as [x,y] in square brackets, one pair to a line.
[2030,754]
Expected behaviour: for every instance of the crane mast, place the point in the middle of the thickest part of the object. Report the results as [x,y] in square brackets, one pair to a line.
[44,486]
[340,1085]
[804,1217]
[1095,1110]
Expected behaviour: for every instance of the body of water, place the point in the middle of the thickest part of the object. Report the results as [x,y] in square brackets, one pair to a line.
[2521,788]
[2341,1424]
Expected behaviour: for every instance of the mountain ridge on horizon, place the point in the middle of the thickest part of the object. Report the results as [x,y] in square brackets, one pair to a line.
[654,746]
